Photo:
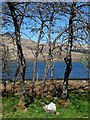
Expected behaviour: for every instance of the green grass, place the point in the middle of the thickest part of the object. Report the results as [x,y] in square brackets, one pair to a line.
[77,109]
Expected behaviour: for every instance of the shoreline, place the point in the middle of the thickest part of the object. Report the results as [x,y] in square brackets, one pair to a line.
[54,60]
[49,87]
[48,83]
[58,79]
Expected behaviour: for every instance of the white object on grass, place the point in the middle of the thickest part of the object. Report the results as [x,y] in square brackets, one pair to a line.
[50,107]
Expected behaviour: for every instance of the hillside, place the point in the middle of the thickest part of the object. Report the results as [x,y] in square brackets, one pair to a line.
[29,48]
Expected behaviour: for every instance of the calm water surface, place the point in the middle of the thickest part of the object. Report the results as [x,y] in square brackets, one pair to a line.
[78,70]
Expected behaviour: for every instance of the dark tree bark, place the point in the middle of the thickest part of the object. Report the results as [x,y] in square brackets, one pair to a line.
[20,55]
[68,59]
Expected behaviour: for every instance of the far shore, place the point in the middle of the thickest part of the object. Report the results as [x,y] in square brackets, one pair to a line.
[30,80]
[54,60]
[85,80]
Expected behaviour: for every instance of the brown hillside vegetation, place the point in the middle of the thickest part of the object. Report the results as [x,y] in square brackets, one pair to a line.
[29,48]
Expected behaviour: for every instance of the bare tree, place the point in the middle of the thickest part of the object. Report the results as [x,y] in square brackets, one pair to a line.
[43,22]
[49,63]
[76,33]
[68,59]
[37,46]
[17,17]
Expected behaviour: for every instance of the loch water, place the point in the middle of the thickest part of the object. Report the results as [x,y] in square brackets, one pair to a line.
[79,71]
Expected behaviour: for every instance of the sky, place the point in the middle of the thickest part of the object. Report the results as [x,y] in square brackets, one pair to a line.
[26,32]
[28,24]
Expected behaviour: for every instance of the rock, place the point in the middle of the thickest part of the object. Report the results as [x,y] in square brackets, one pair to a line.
[50,108]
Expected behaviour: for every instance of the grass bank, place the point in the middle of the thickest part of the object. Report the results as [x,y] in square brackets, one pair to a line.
[78,107]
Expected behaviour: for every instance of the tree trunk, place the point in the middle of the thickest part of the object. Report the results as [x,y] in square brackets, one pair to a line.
[22,70]
[34,75]
[5,58]
[68,59]
[36,59]
[66,77]
[15,77]
[20,55]
[45,72]
[4,67]
[51,70]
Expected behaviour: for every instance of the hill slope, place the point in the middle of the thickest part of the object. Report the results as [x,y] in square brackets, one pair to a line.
[29,48]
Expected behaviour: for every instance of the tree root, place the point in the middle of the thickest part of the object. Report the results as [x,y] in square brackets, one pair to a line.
[21,106]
